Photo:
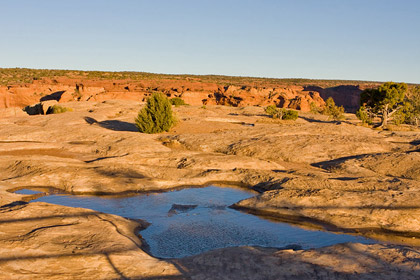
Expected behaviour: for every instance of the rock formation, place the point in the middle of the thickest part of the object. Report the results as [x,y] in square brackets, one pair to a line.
[63,89]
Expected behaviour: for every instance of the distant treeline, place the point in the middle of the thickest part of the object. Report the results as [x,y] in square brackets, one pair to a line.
[16,76]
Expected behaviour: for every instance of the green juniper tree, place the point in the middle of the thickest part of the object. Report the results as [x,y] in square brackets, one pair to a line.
[414,101]
[281,113]
[383,101]
[156,116]
[332,110]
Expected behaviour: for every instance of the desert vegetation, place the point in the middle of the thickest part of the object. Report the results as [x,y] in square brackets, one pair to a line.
[314,109]
[413,106]
[156,116]
[390,102]
[16,76]
[281,113]
[332,111]
[177,101]
[57,109]
[383,102]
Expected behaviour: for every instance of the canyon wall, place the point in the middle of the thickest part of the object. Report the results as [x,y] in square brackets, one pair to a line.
[65,89]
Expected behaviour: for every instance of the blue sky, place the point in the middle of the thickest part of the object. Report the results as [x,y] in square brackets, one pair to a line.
[323,39]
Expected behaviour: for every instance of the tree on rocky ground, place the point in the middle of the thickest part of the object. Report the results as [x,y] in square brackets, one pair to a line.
[414,100]
[281,113]
[332,110]
[274,112]
[384,101]
[314,109]
[177,101]
[364,115]
[156,116]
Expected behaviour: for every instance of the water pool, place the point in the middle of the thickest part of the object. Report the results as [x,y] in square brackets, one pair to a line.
[194,220]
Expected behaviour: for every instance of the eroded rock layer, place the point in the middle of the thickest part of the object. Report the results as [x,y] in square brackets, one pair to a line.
[195,91]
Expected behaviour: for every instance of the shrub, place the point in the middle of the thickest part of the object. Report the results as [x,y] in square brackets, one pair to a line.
[405,114]
[177,101]
[363,115]
[290,115]
[314,108]
[384,101]
[414,100]
[281,114]
[272,111]
[156,116]
[57,109]
[332,110]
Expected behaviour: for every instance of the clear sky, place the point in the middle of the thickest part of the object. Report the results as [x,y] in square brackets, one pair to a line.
[321,39]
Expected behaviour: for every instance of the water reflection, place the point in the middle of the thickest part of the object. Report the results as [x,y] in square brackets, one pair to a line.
[191,221]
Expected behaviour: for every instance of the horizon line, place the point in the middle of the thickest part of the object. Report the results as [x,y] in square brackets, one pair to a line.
[204,75]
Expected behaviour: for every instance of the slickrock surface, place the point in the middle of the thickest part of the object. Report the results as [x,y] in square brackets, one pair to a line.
[43,241]
[343,261]
[312,172]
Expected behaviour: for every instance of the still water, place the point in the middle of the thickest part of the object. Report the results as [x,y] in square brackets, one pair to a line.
[191,221]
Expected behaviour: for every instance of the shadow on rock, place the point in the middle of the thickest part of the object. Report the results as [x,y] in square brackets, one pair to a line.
[118,125]
[53,96]
[90,120]
[356,262]
[347,96]
[329,163]
[120,173]
[311,120]
[115,125]
[415,142]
